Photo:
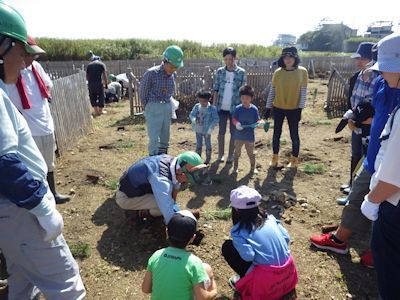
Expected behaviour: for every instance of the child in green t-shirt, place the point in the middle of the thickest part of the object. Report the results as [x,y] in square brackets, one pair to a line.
[173,272]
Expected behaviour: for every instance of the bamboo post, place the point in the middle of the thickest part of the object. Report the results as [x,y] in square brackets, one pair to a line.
[130,90]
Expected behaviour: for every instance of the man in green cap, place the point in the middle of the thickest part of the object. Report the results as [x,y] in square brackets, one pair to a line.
[149,188]
[36,253]
[156,90]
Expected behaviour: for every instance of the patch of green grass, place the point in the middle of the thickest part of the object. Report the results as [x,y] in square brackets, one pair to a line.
[320,122]
[124,145]
[139,128]
[118,105]
[112,184]
[220,214]
[80,250]
[311,169]
[283,142]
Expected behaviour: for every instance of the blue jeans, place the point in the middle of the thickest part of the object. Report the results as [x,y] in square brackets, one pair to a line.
[158,122]
[293,117]
[385,246]
[199,142]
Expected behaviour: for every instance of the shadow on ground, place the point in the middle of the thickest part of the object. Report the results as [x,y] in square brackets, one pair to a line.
[360,281]
[123,244]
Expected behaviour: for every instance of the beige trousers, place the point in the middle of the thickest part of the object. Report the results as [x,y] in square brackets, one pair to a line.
[250,152]
[147,201]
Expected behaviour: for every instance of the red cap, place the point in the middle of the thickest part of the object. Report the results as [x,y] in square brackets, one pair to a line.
[32,47]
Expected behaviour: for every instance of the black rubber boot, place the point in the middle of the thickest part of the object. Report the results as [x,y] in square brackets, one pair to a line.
[52,185]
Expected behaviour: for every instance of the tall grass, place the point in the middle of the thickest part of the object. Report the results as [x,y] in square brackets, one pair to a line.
[120,49]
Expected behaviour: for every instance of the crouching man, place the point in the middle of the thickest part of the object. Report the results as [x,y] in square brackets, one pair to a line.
[148,189]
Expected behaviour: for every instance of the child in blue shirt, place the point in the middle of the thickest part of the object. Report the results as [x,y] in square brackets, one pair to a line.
[204,118]
[245,118]
[259,243]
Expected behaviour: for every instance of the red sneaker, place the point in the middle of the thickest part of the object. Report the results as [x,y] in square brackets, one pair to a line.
[367,259]
[325,242]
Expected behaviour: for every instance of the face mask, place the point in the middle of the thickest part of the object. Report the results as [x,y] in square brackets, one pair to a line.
[199,176]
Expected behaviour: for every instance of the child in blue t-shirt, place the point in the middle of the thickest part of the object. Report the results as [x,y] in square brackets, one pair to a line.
[204,118]
[245,118]
[259,246]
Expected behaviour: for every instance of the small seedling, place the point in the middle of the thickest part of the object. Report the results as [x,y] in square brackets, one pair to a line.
[124,145]
[220,214]
[80,250]
[314,168]
[112,184]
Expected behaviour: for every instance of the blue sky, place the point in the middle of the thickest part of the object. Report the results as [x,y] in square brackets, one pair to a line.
[206,21]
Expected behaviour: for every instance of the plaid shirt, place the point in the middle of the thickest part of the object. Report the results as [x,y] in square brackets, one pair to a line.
[364,89]
[156,85]
[239,79]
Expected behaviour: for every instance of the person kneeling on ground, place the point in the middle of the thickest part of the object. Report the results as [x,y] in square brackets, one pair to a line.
[258,251]
[149,188]
[175,273]
[114,89]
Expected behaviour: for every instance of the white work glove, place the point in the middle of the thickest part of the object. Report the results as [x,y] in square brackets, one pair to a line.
[349,115]
[370,209]
[52,222]
[193,121]
[239,126]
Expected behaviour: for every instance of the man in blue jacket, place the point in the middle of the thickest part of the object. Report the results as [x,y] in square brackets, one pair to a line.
[148,189]
[30,225]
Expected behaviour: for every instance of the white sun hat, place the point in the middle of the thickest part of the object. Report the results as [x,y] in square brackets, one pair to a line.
[388,54]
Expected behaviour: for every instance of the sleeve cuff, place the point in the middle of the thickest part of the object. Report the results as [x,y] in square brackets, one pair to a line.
[45,207]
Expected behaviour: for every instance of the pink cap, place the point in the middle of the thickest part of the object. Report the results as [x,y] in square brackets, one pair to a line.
[245,197]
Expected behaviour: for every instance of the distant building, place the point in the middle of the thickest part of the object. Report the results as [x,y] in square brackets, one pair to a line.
[329,25]
[379,29]
[285,40]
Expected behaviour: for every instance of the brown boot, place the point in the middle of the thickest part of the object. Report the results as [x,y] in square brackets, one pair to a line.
[274,161]
[293,163]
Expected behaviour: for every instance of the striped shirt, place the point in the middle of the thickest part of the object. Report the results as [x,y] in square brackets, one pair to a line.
[364,87]
[156,85]
[239,79]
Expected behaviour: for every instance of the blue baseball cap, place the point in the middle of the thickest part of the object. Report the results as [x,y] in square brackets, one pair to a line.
[364,50]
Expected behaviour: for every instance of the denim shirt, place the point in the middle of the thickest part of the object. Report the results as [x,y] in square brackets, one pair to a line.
[153,175]
[156,86]
[211,118]
[239,79]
